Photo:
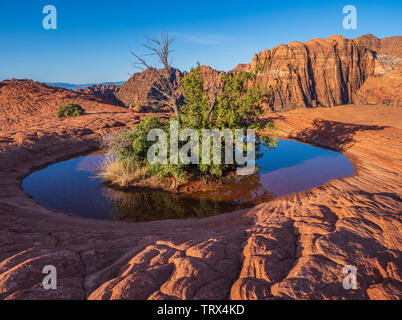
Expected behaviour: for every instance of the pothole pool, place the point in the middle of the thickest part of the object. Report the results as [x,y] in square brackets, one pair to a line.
[72,187]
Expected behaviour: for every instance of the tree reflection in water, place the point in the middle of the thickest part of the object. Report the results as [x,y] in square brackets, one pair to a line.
[146,205]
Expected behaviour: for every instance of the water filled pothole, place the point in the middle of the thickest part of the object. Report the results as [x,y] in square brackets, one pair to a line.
[72,187]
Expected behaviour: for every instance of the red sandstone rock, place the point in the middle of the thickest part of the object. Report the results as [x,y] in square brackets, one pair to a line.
[106,92]
[137,89]
[319,72]
[325,72]
[293,247]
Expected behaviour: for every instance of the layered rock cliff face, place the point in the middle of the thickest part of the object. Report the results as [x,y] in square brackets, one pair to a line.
[384,86]
[319,72]
[323,72]
[385,89]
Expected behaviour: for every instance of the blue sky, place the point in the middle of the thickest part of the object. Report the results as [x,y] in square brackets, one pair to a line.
[94,39]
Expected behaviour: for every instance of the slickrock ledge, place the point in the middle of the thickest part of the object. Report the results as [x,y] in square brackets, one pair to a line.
[294,247]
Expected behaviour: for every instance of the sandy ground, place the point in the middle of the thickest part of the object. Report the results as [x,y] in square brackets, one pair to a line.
[293,247]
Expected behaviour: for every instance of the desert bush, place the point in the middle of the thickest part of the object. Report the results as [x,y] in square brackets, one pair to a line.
[70,110]
[132,147]
[236,106]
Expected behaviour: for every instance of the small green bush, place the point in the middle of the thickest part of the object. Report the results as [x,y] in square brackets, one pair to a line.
[70,110]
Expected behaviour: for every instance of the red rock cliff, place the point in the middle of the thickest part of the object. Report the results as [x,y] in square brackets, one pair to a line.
[319,72]
[323,71]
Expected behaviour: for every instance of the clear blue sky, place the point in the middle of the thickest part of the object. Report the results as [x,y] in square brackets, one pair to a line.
[93,39]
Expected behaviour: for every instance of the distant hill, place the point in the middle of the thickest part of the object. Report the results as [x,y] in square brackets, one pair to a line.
[23,101]
[74,87]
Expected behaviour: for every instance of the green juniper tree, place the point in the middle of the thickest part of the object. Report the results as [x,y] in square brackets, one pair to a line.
[234,102]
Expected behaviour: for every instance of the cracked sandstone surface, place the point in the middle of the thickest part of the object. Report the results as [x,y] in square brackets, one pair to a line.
[294,247]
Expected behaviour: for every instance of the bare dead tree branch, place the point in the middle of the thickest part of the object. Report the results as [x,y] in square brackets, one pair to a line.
[216,91]
[214,100]
[163,82]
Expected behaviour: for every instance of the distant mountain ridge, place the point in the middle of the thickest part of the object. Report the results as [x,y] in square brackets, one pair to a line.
[74,87]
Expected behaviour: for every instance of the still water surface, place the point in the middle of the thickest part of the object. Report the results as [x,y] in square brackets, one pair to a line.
[72,187]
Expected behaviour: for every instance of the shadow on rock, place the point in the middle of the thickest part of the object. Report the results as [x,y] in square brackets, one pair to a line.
[336,135]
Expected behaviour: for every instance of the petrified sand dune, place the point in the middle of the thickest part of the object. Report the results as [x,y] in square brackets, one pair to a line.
[27,101]
[294,247]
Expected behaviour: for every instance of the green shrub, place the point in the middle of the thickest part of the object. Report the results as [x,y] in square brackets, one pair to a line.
[132,146]
[238,106]
[70,110]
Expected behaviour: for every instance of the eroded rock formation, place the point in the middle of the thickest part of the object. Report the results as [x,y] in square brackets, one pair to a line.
[294,247]
[107,92]
[319,72]
[30,101]
[136,90]
[324,72]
